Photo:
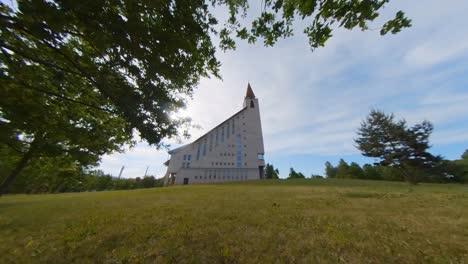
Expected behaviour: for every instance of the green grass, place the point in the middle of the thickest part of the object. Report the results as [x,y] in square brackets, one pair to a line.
[299,221]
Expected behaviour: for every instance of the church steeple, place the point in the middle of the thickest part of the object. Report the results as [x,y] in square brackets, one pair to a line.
[250,94]
[250,100]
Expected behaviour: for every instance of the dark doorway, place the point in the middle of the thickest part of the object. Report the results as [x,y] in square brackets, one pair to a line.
[185,181]
[261,172]
[172,178]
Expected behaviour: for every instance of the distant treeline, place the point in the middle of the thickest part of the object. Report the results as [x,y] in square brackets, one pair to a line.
[447,171]
[60,174]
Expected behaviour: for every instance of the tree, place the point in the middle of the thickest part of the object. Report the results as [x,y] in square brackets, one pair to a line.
[465,155]
[271,172]
[295,175]
[396,144]
[330,171]
[316,176]
[371,172]
[80,78]
[355,171]
[342,169]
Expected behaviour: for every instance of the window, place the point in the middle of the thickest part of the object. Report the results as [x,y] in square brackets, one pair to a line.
[187,165]
[233,126]
[216,138]
[227,130]
[252,104]
[198,151]
[222,134]
[189,157]
[260,156]
[204,148]
[239,151]
[211,141]
[183,164]
[185,157]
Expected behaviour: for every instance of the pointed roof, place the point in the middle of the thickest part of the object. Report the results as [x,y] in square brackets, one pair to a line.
[250,93]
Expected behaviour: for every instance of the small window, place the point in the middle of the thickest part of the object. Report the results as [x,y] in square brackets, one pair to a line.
[252,104]
[189,157]
[260,156]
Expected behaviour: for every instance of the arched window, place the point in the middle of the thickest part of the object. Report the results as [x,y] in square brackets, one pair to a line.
[252,104]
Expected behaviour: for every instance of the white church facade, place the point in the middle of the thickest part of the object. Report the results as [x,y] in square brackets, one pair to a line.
[232,151]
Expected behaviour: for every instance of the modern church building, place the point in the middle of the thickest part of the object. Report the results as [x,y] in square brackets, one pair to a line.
[232,151]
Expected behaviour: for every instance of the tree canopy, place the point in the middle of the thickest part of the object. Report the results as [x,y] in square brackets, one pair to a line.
[295,175]
[81,78]
[395,144]
[271,172]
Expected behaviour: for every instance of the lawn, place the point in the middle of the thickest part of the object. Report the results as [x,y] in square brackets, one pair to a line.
[294,221]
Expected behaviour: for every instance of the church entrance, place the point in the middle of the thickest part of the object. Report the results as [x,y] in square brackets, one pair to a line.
[261,173]
[185,181]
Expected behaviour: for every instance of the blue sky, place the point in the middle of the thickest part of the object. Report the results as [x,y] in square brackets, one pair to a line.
[312,103]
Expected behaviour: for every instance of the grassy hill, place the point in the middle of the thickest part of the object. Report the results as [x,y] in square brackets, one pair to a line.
[306,221]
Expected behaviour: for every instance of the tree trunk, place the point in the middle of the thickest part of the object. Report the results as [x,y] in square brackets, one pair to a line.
[409,176]
[19,167]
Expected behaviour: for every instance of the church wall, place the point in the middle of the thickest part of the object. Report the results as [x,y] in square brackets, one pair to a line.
[230,149]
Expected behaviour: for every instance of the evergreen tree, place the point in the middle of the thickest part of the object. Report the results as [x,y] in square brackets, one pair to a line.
[271,172]
[371,172]
[330,171]
[396,144]
[465,155]
[295,175]
[342,169]
[355,171]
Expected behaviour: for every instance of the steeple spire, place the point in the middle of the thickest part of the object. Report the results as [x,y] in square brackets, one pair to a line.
[250,94]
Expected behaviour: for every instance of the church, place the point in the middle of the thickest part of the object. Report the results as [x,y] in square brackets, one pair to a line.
[231,151]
